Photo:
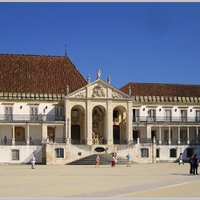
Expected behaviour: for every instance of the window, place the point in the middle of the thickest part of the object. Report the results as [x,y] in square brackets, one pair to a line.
[9,113]
[144,153]
[173,153]
[58,113]
[34,113]
[15,154]
[168,115]
[198,115]
[183,115]
[190,151]
[157,153]
[152,115]
[135,115]
[59,153]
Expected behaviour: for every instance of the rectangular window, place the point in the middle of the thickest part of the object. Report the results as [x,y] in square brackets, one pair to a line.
[59,113]
[173,153]
[168,115]
[152,115]
[34,113]
[9,113]
[144,153]
[198,116]
[15,154]
[135,115]
[183,115]
[59,153]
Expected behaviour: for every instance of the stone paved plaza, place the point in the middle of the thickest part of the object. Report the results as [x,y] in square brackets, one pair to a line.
[80,181]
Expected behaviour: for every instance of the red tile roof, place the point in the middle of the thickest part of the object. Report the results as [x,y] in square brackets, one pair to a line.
[38,74]
[158,89]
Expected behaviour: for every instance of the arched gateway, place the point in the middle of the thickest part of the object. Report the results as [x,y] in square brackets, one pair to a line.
[98,114]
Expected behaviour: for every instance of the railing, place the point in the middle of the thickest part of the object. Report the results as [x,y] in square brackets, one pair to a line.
[30,118]
[166,119]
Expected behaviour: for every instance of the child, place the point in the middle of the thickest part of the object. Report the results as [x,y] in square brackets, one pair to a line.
[181,159]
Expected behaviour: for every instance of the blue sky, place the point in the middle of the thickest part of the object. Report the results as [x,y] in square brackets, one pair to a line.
[132,42]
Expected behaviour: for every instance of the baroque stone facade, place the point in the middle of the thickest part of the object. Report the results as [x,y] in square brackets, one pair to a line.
[61,117]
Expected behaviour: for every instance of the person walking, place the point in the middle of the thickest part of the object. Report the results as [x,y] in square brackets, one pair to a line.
[97,161]
[113,161]
[181,159]
[191,163]
[33,162]
[195,164]
[128,160]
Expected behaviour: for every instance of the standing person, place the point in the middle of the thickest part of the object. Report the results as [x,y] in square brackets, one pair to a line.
[113,161]
[191,163]
[97,161]
[181,159]
[33,162]
[5,140]
[128,160]
[31,141]
[116,158]
[195,164]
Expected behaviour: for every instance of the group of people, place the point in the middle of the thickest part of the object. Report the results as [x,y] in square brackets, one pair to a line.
[194,164]
[193,161]
[114,160]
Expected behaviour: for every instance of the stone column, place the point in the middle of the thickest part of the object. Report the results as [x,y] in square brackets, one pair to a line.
[148,131]
[197,135]
[154,150]
[13,135]
[109,123]
[27,134]
[160,137]
[188,135]
[67,122]
[169,136]
[89,122]
[129,135]
[44,133]
[179,139]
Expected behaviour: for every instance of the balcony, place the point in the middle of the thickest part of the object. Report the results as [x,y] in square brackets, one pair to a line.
[164,119]
[30,118]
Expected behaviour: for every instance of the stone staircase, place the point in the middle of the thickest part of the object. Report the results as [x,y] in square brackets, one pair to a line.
[105,160]
[28,159]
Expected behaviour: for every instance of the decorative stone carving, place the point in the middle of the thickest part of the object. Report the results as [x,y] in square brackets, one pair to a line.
[98,91]
[81,95]
[116,95]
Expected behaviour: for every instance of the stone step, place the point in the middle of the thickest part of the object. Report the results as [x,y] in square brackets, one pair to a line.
[105,159]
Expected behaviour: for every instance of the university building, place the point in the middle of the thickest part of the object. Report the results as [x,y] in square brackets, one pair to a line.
[47,108]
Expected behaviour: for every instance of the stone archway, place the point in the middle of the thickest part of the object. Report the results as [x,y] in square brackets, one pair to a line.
[98,124]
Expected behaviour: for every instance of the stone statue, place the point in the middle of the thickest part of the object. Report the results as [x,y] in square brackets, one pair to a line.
[108,79]
[88,78]
[98,73]
[129,90]
[67,90]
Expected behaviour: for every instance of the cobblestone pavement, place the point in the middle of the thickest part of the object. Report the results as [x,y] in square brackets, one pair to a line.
[139,180]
